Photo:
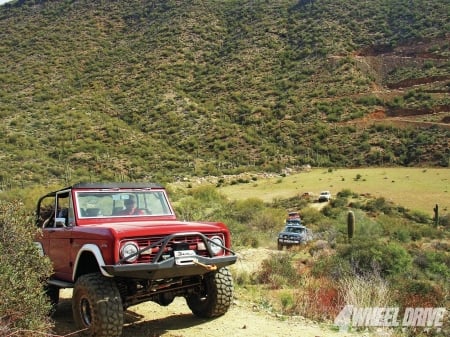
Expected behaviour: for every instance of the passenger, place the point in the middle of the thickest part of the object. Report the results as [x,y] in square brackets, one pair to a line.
[130,207]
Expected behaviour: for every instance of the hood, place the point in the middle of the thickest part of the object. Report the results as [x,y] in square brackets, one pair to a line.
[150,228]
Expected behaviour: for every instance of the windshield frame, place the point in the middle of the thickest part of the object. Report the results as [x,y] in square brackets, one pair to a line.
[111,203]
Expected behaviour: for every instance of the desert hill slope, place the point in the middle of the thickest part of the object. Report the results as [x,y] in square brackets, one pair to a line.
[119,90]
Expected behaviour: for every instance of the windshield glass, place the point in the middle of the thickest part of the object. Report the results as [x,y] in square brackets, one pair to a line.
[122,203]
[294,229]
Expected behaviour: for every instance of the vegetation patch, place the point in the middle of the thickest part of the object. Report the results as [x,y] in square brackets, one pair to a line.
[24,307]
[129,90]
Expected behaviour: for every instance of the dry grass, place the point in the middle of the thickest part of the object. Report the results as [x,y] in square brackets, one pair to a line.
[414,188]
[365,291]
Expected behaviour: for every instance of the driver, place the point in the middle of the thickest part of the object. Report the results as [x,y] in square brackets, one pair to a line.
[130,207]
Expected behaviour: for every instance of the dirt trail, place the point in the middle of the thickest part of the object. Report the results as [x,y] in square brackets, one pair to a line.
[176,320]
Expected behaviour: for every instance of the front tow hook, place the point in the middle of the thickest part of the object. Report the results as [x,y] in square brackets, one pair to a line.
[208,267]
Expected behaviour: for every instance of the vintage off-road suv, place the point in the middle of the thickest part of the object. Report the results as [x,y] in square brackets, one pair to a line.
[120,244]
[294,232]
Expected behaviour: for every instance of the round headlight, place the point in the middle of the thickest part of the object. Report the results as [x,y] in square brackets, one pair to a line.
[216,244]
[129,249]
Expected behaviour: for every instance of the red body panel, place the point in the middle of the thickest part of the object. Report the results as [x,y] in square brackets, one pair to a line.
[101,236]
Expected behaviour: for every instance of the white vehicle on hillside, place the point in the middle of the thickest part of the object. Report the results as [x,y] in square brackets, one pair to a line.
[324,196]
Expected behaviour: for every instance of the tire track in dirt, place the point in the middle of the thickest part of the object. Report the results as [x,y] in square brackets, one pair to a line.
[244,319]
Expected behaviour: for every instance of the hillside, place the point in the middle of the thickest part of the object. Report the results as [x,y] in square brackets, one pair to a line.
[120,90]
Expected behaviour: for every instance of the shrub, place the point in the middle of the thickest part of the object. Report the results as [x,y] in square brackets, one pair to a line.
[245,239]
[190,209]
[367,227]
[24,306]
[244,210]
[241,235]
[420,293]
[278,270]
[330,211]
[345,193]
[418,216]
[435,264]
[287,301]
[340,201]
[367,256]
[331,266]
[317,299]
[402,235]
[444,220]
[312,216]
[266,219]
[379,205]
[367,290]
[207,194]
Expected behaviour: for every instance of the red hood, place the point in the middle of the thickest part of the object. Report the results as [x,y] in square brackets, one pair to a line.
[149,228]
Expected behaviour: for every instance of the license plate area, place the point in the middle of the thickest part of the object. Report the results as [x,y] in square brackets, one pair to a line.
[185,257]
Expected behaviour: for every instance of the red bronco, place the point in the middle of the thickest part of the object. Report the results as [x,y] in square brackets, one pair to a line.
[120,244]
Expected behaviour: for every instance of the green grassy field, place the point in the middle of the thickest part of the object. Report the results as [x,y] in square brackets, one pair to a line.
[414,188]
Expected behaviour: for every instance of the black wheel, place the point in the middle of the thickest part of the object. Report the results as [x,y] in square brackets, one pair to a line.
[97,306]
[215,297]
[280,246]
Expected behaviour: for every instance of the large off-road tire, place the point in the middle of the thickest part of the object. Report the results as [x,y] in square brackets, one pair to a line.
[215,297]
[97,306]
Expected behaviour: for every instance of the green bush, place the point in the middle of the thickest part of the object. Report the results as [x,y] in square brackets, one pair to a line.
[330,211]
[402,235]
[277,271]
[334,267]
[207,194]
[190,209]
[24,306]
[267,219]
[444,220]
[312,216]
[346,193]
[367,227]
[340,201]
[435,264]
[379,205]
[244,210]
[420,293]
[419,216]
[366,256]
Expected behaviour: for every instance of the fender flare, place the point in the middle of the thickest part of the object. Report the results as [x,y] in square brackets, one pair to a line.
[94,250]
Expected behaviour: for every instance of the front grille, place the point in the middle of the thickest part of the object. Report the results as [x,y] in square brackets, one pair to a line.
[179,242]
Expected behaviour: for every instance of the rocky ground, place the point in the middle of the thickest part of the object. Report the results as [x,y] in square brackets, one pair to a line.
[176,320]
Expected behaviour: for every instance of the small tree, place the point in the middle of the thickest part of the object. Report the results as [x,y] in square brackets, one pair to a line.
[24,307]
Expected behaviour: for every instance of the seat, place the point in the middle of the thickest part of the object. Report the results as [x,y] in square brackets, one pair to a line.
[117,210]
[63,213]
[92,212]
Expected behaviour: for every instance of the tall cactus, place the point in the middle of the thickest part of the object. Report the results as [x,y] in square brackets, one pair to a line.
[436,215]
[350,224]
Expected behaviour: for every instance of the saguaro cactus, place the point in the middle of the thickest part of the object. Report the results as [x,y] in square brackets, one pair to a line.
[350,224]
[436,215]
